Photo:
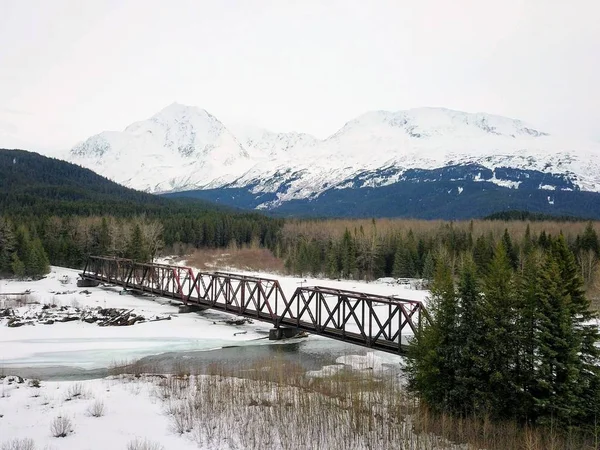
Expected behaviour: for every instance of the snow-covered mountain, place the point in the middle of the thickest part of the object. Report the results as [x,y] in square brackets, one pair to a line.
[185,148]
[178,148]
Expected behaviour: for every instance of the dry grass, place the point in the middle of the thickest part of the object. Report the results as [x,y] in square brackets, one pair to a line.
[274,404]
[245,258]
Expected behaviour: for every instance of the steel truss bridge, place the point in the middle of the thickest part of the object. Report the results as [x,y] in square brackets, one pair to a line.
[373,321]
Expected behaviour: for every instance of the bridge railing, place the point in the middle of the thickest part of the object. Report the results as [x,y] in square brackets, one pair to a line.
[383,322]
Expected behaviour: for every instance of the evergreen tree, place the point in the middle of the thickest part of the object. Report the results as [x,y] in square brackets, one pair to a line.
[589,240]
[136,248]
[17,266]
[511,250]
[7,247]
[532,327]
[527,244]
[499,318]
[434,356]
[333,260]
[428,267]
[38,263]
[470,392]
[577,370]
[348,255]
[483,252]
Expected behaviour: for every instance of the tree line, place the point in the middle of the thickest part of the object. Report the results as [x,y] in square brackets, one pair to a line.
[370,251]
[28,246]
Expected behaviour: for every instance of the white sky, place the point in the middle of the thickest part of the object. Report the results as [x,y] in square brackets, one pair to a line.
[70,69]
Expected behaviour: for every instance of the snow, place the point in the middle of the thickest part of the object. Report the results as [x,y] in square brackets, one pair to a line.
[131,411]
[185,147]
[89,346]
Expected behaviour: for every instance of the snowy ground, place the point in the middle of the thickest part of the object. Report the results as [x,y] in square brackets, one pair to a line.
[89,345]
[131,410]
[111,412]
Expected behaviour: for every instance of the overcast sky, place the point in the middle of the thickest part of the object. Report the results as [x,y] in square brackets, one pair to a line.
[70,69]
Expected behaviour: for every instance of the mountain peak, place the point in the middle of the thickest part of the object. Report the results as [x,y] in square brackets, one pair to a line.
[432,122]
[177,112]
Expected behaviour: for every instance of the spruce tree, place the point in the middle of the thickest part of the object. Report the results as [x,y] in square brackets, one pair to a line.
[136,248]
[333,264]
[589,239]
[470,392]
[483,252]
[580,375]
[428,267]
[434,355]
[40,264]
[17,266]
[24,250]
[532,329]
[499,318]
[7,247]
[348,255]
[511,250]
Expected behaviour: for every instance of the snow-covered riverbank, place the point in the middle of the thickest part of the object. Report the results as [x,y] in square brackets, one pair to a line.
[88,345]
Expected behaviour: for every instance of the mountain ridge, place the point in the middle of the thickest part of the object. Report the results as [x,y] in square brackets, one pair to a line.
[183,148]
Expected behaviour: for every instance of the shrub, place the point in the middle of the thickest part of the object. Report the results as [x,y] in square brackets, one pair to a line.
[75,390]
[61,426]
[35,383]
[96,409]
[139,444]
[19,444]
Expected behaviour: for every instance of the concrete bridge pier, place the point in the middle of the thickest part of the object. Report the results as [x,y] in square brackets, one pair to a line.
[275,334]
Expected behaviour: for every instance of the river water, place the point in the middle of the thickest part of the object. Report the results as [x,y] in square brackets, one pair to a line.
[312,353]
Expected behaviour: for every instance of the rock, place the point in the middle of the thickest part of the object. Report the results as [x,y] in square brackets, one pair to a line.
[69,319]
[237,321]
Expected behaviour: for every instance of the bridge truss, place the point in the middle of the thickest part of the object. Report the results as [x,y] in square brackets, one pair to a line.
[381,322]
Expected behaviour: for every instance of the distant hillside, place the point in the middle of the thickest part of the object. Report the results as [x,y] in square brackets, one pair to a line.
[34,184]
[453,195]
